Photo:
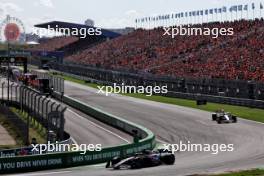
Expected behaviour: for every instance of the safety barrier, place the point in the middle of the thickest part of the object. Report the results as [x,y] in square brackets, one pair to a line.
[71,159]
[192,96]
[219,99]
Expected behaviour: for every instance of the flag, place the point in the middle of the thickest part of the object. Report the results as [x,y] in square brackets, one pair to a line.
[215,10]
[211,11]
[261,6]
[253,6]
[224,9]
[231,9]
[240,7]
[206,12]
[235,8]
[245,7]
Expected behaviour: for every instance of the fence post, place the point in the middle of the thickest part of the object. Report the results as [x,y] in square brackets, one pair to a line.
[11,98]
[3,84]
[35,104]
[31,107]
[42,107]
[27,92]
[62,121]
[48,120]
[58,122]
[16,99]
[47,109]
[23,99]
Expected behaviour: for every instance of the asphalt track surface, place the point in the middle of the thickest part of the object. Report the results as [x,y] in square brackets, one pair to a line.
[85,130]
[172,124]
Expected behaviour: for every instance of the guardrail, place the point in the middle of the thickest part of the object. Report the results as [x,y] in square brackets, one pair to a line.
[219,99]
[71,159]
[192,96]
[215,87]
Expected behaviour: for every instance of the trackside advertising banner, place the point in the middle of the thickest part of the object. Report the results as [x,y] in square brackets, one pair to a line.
[61,160]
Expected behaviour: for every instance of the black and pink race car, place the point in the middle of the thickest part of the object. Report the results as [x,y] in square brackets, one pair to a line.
[142,160]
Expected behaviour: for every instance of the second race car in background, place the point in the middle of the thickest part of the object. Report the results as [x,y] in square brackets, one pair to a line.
[224,117]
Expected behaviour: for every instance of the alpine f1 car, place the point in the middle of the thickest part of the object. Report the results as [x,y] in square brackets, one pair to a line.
[142,160]
[224,117]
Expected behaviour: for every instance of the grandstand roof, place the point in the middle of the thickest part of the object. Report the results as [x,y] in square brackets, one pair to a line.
[105,33]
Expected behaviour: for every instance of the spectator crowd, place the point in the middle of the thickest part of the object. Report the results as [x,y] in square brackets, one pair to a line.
[239,56]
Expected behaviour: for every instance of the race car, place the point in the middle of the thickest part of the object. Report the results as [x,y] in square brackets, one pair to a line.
[224,117]
[142,160]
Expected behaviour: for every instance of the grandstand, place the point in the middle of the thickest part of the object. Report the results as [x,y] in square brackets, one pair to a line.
[229,57]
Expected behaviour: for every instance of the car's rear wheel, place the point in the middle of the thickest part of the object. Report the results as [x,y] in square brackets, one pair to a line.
[168,159]
[115,160]
[135,165]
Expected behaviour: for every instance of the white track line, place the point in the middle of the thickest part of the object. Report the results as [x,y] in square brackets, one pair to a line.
[251,120]
[161,141]
[74,141]
[98,126]
[46,173]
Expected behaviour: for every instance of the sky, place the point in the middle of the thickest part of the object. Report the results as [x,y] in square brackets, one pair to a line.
[105,13]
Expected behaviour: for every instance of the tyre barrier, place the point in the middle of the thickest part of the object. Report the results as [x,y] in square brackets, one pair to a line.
[72,159]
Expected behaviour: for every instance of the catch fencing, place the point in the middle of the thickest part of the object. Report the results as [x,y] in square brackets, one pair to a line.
[45,111]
